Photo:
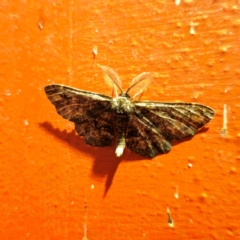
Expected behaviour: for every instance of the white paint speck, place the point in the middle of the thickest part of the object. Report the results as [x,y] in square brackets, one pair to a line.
[85,232]
[224,128]
[192,31]
[177,2]
[192,28]
[95,50]
[176,195]
[25,122]
[190,165]
[170,220]
[8,93]
[226,90]
[40,25]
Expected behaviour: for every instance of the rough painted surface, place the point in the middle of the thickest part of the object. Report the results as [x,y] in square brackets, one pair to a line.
[54,186]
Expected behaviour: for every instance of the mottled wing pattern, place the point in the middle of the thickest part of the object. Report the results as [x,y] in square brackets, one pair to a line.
[154,125]
[143,138]
[98,130]
[89,111]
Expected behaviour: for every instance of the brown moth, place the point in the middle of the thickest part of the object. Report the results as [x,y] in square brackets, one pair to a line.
[145,127]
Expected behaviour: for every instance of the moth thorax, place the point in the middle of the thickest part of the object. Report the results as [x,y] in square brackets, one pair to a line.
[122,105]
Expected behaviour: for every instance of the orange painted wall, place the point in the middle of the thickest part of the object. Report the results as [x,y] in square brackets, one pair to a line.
[53,185]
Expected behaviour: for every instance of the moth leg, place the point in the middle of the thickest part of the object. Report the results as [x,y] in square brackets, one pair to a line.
[121,125]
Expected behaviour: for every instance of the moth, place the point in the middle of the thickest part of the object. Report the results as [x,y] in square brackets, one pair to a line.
[145,127]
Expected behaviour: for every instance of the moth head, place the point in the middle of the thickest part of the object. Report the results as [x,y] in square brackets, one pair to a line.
[125,94]
[122,104]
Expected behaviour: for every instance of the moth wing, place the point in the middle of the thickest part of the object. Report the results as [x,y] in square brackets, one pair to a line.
[139,84]
[91,112]
[143,139]
[160,123]
[112,79]
[98,130]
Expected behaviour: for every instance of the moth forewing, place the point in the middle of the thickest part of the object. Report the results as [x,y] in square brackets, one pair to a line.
[139,84]
[112,80]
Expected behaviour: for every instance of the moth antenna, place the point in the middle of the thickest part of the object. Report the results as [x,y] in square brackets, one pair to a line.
[112,79]
[140,95]
[114,90]
[139,84]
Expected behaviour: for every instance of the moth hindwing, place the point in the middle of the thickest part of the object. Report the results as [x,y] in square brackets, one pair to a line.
[145,127]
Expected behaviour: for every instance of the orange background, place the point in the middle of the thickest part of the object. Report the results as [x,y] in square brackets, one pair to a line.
[53,185]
